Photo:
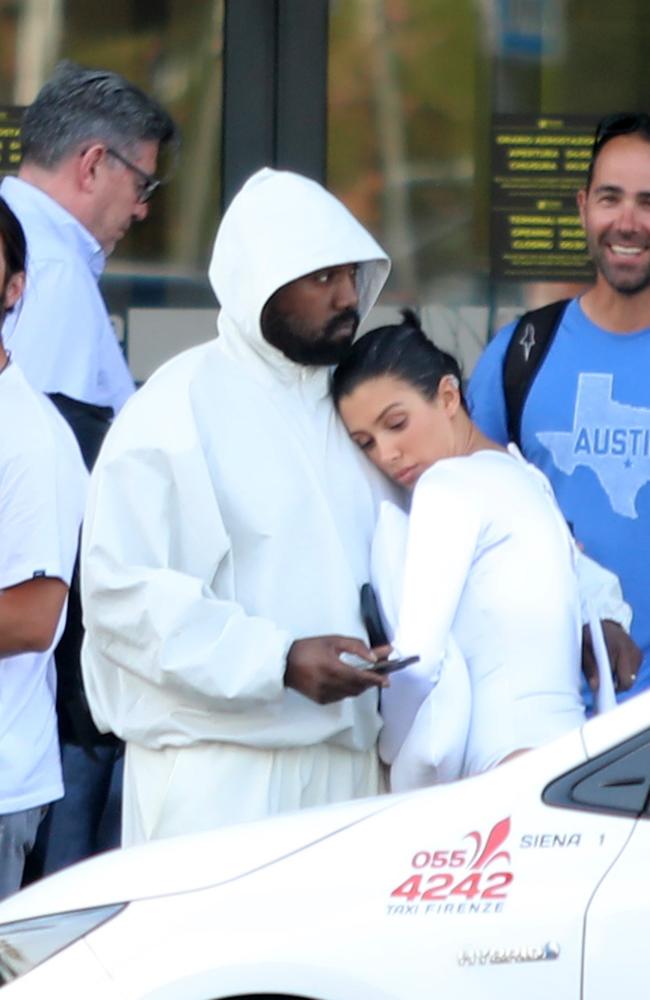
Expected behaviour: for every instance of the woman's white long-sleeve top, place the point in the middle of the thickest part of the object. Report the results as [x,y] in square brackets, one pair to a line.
[490,561]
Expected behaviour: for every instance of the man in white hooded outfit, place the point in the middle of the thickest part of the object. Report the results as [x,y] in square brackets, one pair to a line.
[228,533]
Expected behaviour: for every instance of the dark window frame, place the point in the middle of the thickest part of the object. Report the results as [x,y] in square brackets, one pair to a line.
[274,89]
[616,782]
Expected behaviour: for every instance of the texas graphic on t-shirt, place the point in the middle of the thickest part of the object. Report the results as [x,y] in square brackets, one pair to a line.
[612,439]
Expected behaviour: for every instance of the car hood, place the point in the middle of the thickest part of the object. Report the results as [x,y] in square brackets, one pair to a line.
[185,864]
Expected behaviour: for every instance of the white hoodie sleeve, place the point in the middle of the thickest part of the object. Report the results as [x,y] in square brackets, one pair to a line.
[152,628]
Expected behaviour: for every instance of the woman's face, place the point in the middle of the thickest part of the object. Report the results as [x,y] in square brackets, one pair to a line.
[398,428]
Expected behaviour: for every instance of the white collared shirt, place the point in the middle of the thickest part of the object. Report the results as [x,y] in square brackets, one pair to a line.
[60,333]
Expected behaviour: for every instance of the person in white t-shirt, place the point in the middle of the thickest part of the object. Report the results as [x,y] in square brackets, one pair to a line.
[42,493]
[489,559]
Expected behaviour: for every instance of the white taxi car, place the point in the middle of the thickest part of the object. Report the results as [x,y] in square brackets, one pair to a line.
[531,882]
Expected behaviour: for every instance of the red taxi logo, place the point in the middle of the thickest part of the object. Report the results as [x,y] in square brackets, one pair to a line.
[476,870]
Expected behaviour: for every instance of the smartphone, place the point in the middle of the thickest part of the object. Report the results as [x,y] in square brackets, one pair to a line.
[389,666]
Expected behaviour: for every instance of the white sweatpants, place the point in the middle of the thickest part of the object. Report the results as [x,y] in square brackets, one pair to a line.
[190,789]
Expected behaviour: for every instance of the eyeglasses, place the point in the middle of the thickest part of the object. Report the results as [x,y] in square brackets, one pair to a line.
[147,184]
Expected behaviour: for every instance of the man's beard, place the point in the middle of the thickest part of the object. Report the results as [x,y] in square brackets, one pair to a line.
[626,283]
[308,347]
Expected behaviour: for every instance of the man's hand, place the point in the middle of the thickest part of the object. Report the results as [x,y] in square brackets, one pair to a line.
[624,656]
[315,669]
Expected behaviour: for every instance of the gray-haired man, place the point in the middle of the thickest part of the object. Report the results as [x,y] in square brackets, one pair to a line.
[90,145]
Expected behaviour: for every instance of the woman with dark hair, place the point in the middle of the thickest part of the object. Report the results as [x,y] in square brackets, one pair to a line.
[489,559]
[42,492]
[12,268]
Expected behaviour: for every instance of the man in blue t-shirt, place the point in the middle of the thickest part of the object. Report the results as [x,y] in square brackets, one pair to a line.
[586,419]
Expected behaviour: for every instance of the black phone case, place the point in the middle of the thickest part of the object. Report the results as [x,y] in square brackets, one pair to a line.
[372,617]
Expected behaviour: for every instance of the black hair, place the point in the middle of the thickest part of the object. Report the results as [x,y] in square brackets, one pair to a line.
[402,351]
[13,241]
[14,248]
[610,127]
[78,105]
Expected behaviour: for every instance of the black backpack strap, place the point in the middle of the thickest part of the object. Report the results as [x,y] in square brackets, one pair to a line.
[530,341]
[89,424]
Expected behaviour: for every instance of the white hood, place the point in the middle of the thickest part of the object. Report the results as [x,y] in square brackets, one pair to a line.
[279,227]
